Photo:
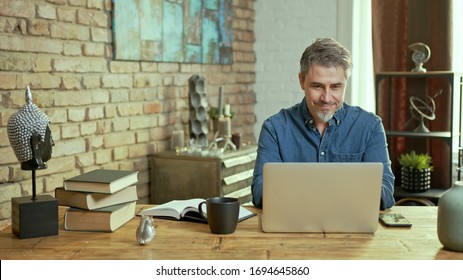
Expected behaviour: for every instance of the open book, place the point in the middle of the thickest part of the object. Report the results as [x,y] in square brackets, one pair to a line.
[186,210]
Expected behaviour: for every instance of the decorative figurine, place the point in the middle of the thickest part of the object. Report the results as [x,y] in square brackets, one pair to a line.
[421,54]
[421,109]
[145,230]
[30,137]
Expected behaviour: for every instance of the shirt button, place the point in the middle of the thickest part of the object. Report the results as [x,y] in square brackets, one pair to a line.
[322,153]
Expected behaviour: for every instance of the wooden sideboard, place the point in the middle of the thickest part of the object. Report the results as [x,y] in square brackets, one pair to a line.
[183,175]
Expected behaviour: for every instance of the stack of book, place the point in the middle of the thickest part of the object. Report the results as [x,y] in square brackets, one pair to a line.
[99,200]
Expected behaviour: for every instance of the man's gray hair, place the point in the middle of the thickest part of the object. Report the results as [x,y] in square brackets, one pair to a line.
[326,52]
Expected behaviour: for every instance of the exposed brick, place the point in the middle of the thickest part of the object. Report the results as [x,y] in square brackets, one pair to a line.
[110,111]
[139,150]
[38,81]
[93,49]
[39,27]
[29,44]
[46,11]
[144,80]
[91,81]
[88,65]
[70,131]
[42,64]
[95,142]
[4,174]
[4,137]
[100,96]
[130,109]
[168,67]
[118,96]
[152,108]
[144,136]
[103,156]
[8,156]
[95,113]
[66,14]
[88,128]
[18,8]
[8,191]
[73,98]
[72,48]
[70,82]
[117,81]
[8,81]
[76,114]
[100,34]
[149,67]
[51,183]
[104,113]
[120,153]
[64,30]
[93,18]
[69,147]
[118,139]
[57,115]
[58,2]
[96,4]
[121,124]
[85,160]
[140,122]
[80,3]
[124,67]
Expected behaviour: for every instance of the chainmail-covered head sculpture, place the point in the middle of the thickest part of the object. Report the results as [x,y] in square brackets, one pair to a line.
[30,135]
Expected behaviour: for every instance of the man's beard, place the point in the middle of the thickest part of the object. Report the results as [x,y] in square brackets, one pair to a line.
[325,116]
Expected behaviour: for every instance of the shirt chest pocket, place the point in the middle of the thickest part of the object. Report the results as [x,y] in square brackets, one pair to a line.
[348,157]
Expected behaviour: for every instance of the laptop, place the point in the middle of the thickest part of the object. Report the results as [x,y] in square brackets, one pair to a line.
[321,197]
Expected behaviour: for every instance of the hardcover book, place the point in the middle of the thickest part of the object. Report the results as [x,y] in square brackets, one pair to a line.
[106,219]
[102,181]
[91,201]
[186,210]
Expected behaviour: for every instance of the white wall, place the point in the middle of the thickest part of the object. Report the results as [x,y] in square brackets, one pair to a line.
[283,30]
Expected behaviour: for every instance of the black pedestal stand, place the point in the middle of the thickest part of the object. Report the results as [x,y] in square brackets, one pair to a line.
[34,216]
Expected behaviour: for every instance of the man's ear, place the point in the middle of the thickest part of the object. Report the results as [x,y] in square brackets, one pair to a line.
[301,81]
[35,145]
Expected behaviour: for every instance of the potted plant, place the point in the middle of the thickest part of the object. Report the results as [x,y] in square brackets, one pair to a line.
[415,171]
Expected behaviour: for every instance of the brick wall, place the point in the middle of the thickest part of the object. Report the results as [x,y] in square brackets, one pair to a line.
[104,113]
[283,30]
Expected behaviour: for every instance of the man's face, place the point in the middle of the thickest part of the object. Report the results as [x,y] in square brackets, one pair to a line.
[324,89]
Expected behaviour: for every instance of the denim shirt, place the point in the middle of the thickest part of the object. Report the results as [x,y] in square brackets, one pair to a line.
[352,135]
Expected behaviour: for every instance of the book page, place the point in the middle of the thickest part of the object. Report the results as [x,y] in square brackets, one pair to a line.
[173,208]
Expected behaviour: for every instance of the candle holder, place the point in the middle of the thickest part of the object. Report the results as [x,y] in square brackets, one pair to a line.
[223,134]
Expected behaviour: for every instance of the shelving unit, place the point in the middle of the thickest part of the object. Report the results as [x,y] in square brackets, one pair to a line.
[399,124]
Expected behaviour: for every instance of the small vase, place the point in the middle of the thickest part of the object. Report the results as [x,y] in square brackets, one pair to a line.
[450,218]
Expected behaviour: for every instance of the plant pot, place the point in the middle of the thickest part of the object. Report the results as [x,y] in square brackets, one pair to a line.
[414,180]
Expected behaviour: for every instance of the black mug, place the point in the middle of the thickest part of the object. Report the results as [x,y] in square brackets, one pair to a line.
[221,214]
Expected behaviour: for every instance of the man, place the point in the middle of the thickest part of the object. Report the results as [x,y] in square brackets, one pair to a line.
[322,128]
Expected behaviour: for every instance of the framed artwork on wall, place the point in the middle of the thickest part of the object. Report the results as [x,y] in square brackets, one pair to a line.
[186,31]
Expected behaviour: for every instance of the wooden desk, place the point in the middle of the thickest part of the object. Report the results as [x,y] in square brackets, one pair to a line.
[185,240]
